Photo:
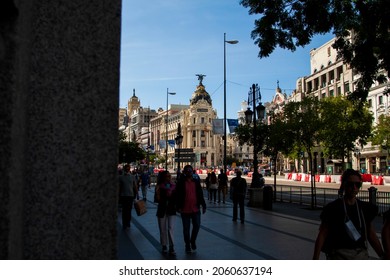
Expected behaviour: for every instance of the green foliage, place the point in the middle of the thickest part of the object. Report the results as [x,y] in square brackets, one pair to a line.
[129,151]
[304,121]
[243,134]
[344,123]
[279,137]
[291,24]
[381,133]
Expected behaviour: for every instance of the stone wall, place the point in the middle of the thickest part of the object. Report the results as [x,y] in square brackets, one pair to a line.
[59,86]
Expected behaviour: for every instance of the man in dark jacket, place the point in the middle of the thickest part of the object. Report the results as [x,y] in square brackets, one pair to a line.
[237,193]
[189,201]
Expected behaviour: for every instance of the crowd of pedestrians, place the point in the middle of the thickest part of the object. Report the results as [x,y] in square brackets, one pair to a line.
[346,223]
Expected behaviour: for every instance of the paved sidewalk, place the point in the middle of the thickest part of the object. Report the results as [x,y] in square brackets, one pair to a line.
[287,232]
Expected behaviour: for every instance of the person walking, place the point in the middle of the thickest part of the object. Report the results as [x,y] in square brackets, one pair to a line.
[238,187]
[207,182]
[190,199]
[165,196]
[145,183]
[222,186]
[213,187]
[346,224]
[127,192]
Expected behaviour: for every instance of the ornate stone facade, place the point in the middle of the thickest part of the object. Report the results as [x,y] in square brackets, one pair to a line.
[196,123]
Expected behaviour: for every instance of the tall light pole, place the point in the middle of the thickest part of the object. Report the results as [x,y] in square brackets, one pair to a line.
[178,140]
[166,131]
[254,96]
[224,98]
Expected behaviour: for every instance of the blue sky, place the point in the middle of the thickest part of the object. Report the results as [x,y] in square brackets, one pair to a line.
[165,43]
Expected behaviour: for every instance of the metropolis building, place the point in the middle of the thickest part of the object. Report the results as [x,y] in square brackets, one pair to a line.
[150,126]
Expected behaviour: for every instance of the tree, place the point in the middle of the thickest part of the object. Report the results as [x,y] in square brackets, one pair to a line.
[128,151]
[345,122]
[381,136]
[304,120]
[279,139]
[360,26]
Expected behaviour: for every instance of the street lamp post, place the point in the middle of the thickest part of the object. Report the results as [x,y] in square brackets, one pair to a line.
[254,96]
[166,131]
[125,125]
[224,98]
[178,140]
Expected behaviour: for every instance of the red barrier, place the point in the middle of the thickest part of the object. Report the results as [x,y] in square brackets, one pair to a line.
[328,179]
[317,178]
[289,176]
[307,178]
[367,177]
[250,174]
[299,177]
[377,180]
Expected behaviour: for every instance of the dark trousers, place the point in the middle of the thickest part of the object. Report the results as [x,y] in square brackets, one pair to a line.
[238,201]
[213,195]
[127,206]
[186,220]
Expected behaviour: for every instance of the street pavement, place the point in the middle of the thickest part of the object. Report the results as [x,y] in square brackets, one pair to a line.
[287,232]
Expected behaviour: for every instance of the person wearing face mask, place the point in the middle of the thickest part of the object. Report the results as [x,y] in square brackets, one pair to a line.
[346,224]
[189,202]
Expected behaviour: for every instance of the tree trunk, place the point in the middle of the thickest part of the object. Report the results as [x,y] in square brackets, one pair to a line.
[313,183]
[274,159]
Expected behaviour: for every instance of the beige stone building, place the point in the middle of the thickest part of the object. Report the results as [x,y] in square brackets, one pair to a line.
[332,77]
[160,129]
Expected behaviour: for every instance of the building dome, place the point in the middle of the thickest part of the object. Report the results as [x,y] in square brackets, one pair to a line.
[200,94]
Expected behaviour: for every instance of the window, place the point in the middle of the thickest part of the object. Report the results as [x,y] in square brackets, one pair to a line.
[202,120]
[194,133]
[202,134]
[370,103]
[346,87]
[194,143]
[194,121]
[331,92]
[203,144]
[380,100]
[339,72]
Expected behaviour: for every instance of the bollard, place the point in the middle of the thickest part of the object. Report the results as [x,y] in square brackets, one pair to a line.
[372,195]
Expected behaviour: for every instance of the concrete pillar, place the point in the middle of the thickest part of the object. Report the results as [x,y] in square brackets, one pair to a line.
[59,89]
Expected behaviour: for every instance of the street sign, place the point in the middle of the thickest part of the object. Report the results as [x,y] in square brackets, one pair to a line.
[190,155]
[185,159]
[184,151]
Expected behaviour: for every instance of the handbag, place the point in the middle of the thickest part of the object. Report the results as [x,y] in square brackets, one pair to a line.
[140,207]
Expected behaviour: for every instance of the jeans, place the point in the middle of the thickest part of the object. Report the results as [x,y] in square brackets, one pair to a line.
[127,206]
[238,201]
[166,226]
[144,189]
[221,192]
[186,219]
[213,195]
